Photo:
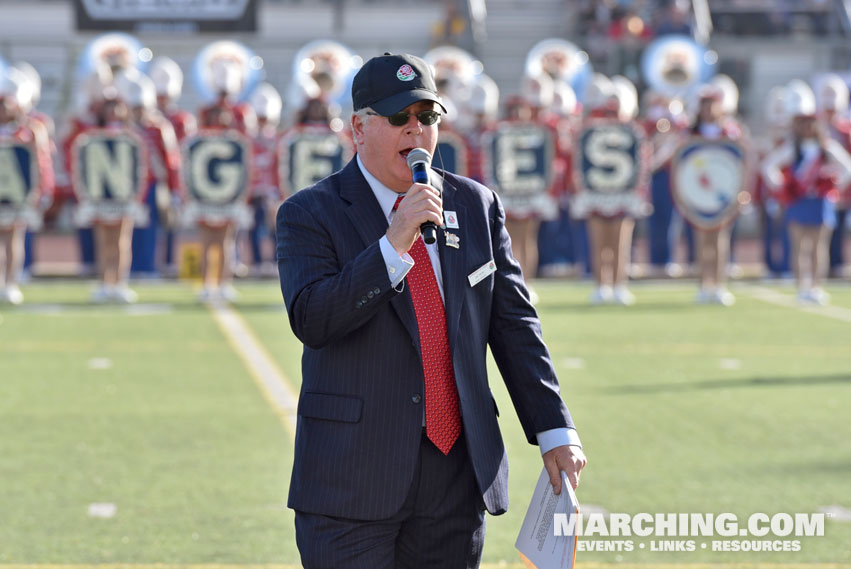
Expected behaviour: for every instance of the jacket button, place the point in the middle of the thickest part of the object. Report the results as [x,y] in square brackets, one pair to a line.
[376,290]
[416,398]
[370,294]
[363,300]
[358,305]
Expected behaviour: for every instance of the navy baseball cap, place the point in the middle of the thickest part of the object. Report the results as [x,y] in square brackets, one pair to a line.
[389,83]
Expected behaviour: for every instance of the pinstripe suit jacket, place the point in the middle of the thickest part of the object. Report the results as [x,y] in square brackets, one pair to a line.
[360,409]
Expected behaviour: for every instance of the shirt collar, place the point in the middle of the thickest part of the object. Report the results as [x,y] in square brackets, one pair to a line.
[385,196]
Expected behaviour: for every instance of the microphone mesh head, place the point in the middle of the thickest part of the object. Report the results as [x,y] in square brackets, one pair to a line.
[418,155]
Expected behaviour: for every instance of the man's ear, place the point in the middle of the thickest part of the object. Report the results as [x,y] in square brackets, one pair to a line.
[357,128]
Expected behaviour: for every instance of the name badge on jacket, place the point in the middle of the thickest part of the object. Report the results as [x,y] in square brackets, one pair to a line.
[481,273]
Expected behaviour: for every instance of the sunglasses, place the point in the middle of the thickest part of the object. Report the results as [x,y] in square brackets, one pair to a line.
[428,118]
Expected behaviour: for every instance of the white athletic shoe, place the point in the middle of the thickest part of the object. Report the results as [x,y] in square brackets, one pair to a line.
[11,295]
[228,293]
[704,296]
[602,295]
[124,294]
[102,294]
[207,294]
[723,297]
[622,296]
[815,295]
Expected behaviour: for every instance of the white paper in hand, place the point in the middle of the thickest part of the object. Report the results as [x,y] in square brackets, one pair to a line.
[538,543]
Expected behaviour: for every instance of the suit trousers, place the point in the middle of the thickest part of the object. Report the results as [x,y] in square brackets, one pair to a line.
[441,524]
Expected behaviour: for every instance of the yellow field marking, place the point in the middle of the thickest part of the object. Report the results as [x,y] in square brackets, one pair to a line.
[266,374]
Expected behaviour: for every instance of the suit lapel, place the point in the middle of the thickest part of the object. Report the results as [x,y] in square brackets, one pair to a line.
[452,260]
[366,216]
[363,211]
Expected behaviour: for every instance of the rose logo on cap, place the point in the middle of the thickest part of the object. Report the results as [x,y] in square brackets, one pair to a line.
[406,73]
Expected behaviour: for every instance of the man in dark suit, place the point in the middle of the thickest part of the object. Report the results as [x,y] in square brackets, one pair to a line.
[398,451]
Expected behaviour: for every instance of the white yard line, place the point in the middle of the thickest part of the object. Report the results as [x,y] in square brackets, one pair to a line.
[265,372]
[778,298]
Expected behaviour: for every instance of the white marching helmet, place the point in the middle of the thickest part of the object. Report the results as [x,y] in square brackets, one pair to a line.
[775,107]
[136,89]
[600,93]
[831,93]
[328,64]
[226,77]
[800,100]
[729,93]
[555,57]
[167,77]
[15,84]
[627,96]
[538,91]
[484,96]
[34,78]
[266,102]
[564,99]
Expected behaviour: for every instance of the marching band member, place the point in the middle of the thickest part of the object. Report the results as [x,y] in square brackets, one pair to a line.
[43,122]
[729,117]
[610,233]
[225,75]
[556,244]
[139,94]
[484,106]
[112,235]
[168,80]
[266,193]
[775,233]
[663,121]
[90,96]
[523,225]
[454,75]
[226,110]
[807,172]
[713,245]
[22,200]
[832,107]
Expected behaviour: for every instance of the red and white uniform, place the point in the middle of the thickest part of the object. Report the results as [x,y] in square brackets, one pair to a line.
[183,122]
[265,181]
[796,172]
[34,134]
[244,118]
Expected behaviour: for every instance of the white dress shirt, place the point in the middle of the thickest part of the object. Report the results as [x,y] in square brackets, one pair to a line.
[398,267]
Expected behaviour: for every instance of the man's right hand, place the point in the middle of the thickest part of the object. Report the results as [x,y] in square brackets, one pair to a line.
[422,203]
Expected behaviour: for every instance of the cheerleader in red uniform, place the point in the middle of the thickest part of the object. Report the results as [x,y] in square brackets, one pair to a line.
[224,114]
[713,245]
[19,211]
[807,172]
[523,224]
[610,234]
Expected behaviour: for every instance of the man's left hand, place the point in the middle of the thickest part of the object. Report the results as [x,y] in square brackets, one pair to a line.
[567,458]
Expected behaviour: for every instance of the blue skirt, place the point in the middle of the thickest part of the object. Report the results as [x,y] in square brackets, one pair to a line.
[812,211]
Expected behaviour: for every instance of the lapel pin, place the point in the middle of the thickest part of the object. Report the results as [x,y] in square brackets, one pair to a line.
[450,218]
[452,240]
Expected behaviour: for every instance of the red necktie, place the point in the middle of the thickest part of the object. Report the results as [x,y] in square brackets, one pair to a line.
[442,413]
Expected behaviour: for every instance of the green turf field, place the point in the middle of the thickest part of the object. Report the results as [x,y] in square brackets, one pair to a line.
[681,408]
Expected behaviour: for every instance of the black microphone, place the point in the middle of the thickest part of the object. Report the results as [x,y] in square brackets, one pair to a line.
[419,161]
